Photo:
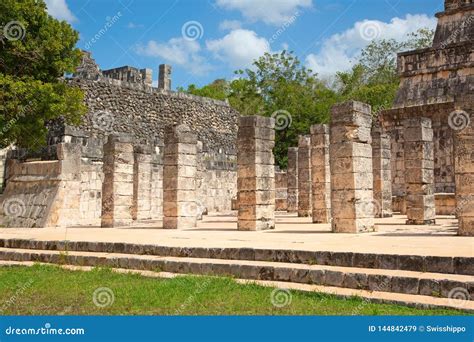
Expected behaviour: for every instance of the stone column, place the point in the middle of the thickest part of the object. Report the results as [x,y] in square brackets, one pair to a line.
[419,171]
[142,182]
[292,174]
[304,176]
[179,178]
[320,174]
[350,151]
[256,173]
[462,122]
[381,163]
[117,188]
[157,182]
[164,77]
[281,191]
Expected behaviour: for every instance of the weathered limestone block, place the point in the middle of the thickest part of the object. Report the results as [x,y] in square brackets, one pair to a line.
[350,150]
[142,183]
[321,174]
[117,188]
[292,174]
[304,176]
[256,173]
[179,178]
[381,155]
[464,164]
[281,190]
[157,183]
[419,167]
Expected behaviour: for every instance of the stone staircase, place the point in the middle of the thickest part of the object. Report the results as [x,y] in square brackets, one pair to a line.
[448,281]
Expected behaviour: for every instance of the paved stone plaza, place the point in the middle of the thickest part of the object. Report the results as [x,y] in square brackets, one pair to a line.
[292,232]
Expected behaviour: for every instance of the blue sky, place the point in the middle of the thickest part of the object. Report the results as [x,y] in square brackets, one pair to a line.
[208,39]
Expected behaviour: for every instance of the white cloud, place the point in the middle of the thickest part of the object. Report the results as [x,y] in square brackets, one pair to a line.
[339,52]
[178,51]
[60,10]
[239,47]
[275,12]
[230,25]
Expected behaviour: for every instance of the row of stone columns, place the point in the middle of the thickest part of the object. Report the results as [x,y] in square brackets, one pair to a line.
[338,174]
[128,191]
[349,176]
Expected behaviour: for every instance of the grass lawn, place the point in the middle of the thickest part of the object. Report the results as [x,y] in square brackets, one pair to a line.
[51,290]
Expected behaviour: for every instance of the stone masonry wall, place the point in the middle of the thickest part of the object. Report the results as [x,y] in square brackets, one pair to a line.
[143,111]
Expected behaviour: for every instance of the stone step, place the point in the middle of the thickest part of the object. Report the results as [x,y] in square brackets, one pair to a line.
[432,264]
[408,282]
[417,301]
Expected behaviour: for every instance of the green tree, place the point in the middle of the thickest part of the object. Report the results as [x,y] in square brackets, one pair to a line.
[374,78]
[36,52]
[290,93]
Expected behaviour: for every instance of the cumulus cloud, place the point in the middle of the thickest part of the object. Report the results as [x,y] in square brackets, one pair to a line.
[239,47]
[274,12]
[60,10]
[179,51]
[339,52]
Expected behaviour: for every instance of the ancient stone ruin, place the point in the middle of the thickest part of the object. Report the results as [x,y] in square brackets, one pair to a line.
[151,154]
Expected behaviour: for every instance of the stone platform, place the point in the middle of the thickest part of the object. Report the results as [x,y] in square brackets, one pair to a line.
[416,265]
[393,236]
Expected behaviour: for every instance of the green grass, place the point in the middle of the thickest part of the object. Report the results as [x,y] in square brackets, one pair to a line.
[51,290]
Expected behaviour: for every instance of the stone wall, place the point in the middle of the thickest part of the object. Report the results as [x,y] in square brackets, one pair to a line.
[43,193]
[143,111]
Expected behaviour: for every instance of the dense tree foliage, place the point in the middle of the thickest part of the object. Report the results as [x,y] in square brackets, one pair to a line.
[36,51]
